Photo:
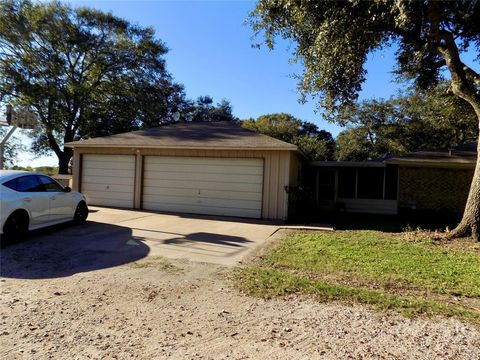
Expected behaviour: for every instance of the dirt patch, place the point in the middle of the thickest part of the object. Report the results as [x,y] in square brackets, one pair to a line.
[155,262]
[184,310]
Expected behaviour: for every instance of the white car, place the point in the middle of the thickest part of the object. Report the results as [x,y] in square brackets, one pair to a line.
[30,201]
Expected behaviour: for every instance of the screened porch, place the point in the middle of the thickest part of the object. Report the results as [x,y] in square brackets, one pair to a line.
[360,187]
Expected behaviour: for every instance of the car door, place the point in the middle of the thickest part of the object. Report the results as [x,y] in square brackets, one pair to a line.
[34,199]
[61,202]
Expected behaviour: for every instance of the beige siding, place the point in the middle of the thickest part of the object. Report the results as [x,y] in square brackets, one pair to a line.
[277,171]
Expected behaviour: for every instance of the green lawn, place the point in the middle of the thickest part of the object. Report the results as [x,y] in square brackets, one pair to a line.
[390,271]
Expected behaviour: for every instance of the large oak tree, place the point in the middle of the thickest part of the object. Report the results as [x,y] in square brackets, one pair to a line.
[86,73]
[333,38]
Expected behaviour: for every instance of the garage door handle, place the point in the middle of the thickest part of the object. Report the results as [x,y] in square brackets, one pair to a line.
[53,197]
[27,199]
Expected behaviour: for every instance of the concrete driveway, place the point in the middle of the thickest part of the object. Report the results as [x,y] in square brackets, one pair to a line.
[219,240]
[113,237]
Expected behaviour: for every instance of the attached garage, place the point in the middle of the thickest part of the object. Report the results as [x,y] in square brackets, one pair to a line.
[211,168]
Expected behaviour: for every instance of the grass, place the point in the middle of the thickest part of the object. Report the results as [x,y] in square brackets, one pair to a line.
[413,275]
[270,283]
[384,259]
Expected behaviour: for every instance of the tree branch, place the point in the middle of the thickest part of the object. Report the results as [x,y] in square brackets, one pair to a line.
[471,74]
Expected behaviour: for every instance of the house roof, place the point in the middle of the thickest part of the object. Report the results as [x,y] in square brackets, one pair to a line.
[368,163]
[462,156]
[193,135]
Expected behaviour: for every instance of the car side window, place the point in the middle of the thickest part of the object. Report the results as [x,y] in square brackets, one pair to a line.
[49,184]
[11,184]
[28,183]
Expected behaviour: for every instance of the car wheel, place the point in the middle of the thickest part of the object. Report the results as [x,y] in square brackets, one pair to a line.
[81,213]
[16,227]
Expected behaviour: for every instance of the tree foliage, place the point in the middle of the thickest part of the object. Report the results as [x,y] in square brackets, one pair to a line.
[315,144]
[432,120]
[86,73]
[437,119]
[203,109]
[374,129]
[332,40]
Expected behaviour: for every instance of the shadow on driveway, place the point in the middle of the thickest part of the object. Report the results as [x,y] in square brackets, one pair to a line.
[210,238]
[64,251]
[197,237]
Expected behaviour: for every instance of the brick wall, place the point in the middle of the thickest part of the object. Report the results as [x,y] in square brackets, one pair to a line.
[434,188]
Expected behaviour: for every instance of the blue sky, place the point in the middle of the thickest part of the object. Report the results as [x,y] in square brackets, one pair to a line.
[211,54]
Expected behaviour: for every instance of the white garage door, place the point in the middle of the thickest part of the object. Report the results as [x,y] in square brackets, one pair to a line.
[108,180]
[213,186]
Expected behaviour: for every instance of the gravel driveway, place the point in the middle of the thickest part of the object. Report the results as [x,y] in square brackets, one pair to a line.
[154,309]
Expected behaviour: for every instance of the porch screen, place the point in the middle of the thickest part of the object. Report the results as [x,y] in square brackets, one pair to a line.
[370,183]
[346,183]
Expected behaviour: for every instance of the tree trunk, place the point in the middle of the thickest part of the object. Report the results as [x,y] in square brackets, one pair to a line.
[463,83]
[470,224]
[63,161]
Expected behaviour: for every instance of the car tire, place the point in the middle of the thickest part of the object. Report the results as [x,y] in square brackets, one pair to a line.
[16,227]
[81,213]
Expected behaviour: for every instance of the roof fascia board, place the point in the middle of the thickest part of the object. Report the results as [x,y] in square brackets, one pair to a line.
[438,164]
[83,146]
[346,164]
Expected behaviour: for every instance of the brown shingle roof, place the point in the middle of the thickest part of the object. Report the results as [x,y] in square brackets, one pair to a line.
[201,135]
[464,155]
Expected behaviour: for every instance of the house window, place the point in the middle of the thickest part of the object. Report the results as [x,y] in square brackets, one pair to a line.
[370,183]
[326,184]
[346,183]
[391,182]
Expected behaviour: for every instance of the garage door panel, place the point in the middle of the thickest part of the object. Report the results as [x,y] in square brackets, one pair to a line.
[108,180]
[217,194]
[212,202]
[116,194]
[109,202]
[105,180]
[121,188]
[249,179]
[93,164]
[205,185]
[172,160]
[199,209]
[123,173]
[216,186]
[124,160]
[204,168]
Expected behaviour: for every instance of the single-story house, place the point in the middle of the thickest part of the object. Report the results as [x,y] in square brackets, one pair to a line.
[213,168]
[421,181]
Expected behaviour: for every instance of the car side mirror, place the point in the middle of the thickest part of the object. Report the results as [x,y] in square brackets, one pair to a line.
[67,189]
